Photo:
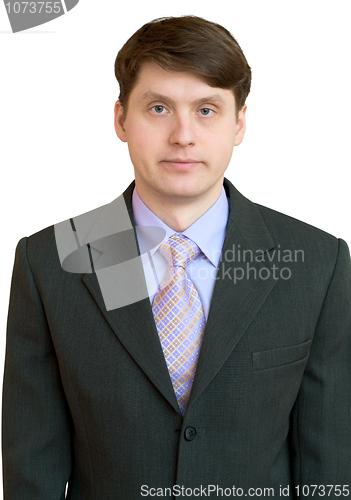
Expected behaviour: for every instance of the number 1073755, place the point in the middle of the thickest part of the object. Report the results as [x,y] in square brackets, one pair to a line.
[323,490]
[34,7]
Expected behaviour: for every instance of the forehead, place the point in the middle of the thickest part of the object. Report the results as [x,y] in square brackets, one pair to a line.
[155,83]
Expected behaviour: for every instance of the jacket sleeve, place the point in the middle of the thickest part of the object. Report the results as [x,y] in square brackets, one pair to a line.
[36,426]
[321,417]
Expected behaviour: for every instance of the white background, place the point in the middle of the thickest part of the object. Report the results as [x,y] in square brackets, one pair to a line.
[60,156]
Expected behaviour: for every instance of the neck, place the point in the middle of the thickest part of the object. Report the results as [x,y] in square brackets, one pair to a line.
[179,213]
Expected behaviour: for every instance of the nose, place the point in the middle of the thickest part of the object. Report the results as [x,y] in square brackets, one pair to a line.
[182,131]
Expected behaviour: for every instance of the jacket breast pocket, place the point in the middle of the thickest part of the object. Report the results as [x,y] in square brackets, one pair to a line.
[274,358]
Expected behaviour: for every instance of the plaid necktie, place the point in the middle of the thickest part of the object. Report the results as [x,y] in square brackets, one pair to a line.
[179,316]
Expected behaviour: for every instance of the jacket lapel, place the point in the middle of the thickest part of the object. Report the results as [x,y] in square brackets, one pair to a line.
[234,304]
[133,323]
[135,328]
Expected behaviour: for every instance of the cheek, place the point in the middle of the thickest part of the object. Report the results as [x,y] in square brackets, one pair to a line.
[220,146]
[141,138]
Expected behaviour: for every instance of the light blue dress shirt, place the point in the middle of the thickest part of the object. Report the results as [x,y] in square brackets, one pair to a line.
[208,232]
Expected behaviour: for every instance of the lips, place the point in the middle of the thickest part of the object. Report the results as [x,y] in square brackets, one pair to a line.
[181,164]
[182,160]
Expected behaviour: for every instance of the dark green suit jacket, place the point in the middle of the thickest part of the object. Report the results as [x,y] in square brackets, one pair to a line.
[88,399]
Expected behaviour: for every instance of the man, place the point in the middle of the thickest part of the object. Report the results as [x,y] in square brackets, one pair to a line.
[181,341]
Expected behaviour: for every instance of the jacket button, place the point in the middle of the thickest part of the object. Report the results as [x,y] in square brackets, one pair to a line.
[190,433]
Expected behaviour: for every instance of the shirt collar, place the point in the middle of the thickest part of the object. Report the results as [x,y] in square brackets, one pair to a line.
[208,232]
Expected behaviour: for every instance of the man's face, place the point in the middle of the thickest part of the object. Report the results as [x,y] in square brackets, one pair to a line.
[180,134]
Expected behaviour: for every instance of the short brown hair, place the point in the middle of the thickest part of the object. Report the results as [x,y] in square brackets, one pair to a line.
[187,43]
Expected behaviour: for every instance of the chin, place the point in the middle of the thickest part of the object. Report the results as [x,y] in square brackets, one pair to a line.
[183,193]
[183,183]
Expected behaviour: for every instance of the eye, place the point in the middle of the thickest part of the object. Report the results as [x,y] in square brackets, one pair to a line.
[158,109]
[206,111]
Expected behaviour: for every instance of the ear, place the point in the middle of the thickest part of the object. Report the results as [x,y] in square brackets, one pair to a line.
[119,122]
[240,126]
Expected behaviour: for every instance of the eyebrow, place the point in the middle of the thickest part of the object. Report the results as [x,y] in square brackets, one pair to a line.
[149,95]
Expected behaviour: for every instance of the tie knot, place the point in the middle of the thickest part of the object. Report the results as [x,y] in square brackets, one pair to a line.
[179,250]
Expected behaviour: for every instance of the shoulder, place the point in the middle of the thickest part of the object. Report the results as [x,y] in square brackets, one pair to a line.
[287,227]
[258,221]
[54,244]
[314,251]
[319,248]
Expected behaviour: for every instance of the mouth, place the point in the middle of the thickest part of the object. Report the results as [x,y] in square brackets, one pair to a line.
[181,164]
